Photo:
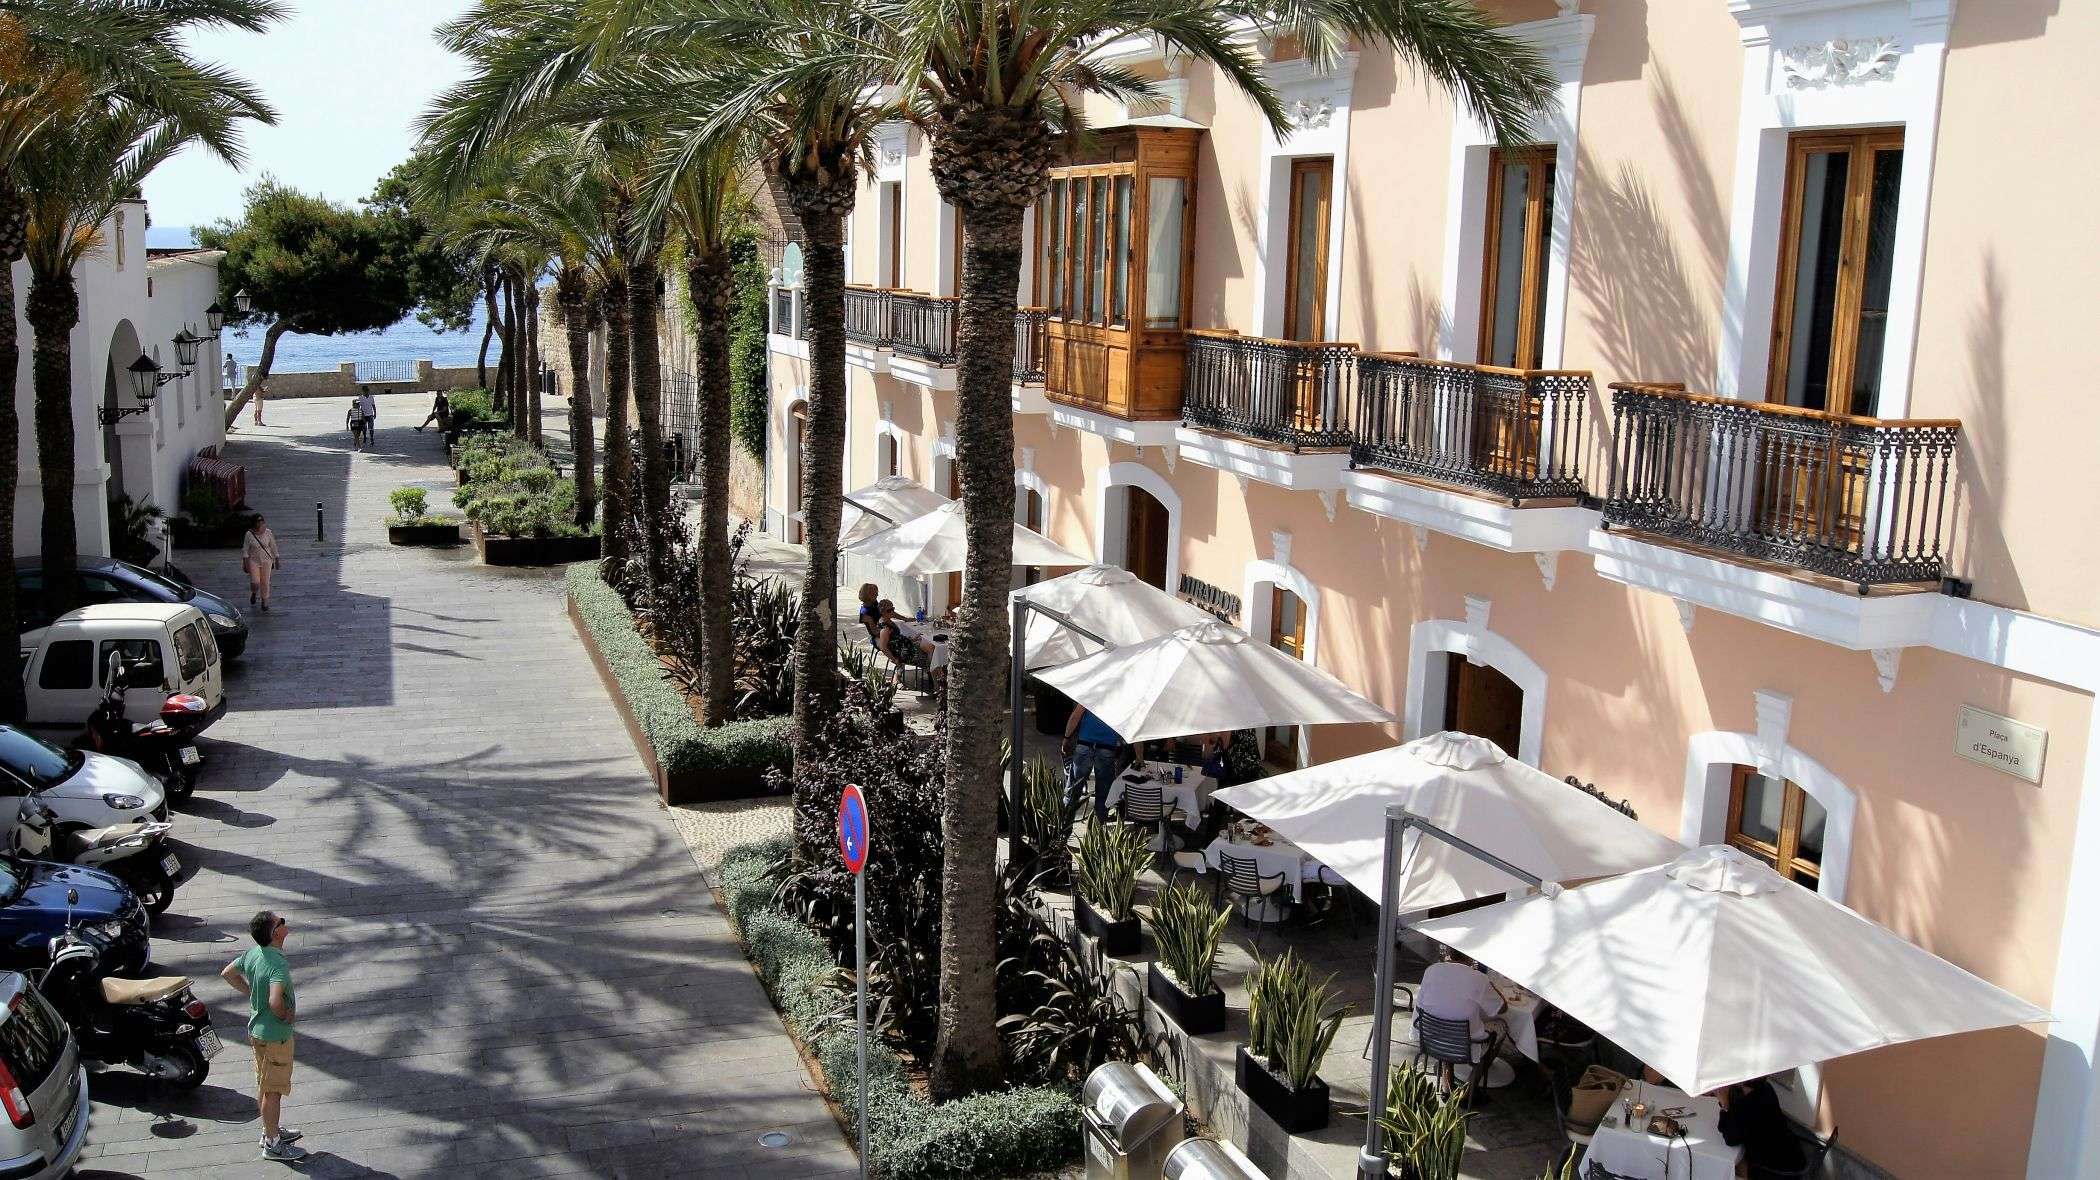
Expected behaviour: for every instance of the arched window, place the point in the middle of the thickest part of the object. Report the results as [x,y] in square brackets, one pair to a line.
[1777,822]
[1286,634]
[1147,532]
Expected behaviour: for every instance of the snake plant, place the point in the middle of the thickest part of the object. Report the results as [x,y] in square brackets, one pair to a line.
[1186,927]
[1290,1021]
[1111,856]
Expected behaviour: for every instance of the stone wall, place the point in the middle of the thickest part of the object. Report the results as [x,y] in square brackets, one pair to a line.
[747,484]
[343,382]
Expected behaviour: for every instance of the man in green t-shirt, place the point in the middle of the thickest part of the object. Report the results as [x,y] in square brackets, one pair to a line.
[266,977]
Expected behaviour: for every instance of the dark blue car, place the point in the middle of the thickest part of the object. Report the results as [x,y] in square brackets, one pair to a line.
[33,911]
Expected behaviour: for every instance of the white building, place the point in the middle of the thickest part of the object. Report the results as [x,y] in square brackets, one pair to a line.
[130,305]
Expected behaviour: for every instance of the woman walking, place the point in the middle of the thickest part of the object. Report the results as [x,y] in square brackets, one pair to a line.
[262,392]
[259,558]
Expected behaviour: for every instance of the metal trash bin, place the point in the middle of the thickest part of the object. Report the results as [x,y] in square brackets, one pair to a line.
[1132,1122]
[1210,1159]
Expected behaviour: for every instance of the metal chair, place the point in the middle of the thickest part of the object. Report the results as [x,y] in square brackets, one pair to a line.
[1813,1152]
[1244,880]
[1451,1043]
[1403,1001]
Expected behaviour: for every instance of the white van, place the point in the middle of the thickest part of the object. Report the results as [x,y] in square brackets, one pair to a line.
[62,674]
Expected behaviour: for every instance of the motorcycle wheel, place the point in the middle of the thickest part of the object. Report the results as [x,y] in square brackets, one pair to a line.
[156,891]
[195,1066]
[179,784]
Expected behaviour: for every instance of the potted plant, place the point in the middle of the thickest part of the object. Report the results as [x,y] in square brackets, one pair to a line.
[411,523]
[1111,856]
[208,521]
[1424,1128]
[1186,927]
[1290,1026]
[1043,845]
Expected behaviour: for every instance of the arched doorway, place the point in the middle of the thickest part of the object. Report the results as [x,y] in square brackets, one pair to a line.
[130,474]
[1482,701]
[886,461]
[1147,535]
[798,425]
[1287,616]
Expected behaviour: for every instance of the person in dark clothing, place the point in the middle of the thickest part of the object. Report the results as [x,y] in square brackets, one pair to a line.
[1751,1119]
[440,413]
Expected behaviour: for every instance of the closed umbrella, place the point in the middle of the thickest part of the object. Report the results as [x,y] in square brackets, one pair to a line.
[1110,602]
[1204,678]
[1714,969]
[935,543]
[1466,786]
[885,504]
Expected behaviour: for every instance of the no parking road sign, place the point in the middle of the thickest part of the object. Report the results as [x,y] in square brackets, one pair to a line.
[853,829]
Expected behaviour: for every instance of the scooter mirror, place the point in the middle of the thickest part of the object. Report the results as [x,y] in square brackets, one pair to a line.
[72,897]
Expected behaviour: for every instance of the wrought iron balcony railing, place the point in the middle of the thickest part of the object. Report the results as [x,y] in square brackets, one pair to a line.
[787,317]
[868,315]
[1867,500]
[1520,433]
[1029,324]
[923,325]
[1290,392]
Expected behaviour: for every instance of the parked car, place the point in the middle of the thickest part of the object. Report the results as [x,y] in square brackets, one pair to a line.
[105,579]
[43,1086]
[84,788]
[34,906]
[62,675]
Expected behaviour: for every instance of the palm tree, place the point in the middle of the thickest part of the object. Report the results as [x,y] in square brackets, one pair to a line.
[55,57]
[990,81]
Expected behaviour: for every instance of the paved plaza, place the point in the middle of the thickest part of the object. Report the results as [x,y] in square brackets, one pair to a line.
[507,961]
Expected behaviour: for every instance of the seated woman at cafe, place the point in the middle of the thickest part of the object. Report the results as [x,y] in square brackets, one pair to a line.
[1456,990]
[870,615]
[1751,1119]
[901,641]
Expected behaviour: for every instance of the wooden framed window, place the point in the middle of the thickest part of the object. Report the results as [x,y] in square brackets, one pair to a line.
[1836,259]
[954,490]
[1305,274]
[1776,822]
[955,250]
[1519,243]
[1287,635]
[893,234]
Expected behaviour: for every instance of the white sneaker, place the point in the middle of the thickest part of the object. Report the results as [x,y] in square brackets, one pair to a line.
[282,1149]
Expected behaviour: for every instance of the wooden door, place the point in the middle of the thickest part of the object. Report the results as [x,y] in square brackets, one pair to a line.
[1517,250]
[1145,538]
[1305,282]
[954,492]
[799,415]
[1485,703]
[1287,635]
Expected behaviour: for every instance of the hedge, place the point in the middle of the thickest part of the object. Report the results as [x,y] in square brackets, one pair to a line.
[682,745]
[1002,1133]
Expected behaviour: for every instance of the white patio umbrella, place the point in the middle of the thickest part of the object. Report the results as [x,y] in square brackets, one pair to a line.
[1714,969]
[934,543]
[885,504]
[1466,786]
[1110,602]
[1203,678]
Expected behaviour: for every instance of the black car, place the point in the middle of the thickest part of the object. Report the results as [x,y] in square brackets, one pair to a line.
[105,579]
[33,911]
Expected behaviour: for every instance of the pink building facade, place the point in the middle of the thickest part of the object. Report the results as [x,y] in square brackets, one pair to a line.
[1708,449]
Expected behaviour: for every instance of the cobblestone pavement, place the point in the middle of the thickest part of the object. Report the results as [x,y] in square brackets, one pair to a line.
[507,962]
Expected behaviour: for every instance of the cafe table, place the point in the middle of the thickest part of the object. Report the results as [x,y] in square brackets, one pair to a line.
[1696,1153]
[1189,796]
[1279,856]
[934,630]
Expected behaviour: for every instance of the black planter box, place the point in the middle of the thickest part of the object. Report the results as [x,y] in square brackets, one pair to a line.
[1296,1111]
[1196,1015]
[184,535]
[423,534]
[497,550]
[1116,938]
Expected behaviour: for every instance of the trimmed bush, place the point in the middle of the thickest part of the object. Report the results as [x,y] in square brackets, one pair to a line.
[510,489]
[1005,1133]
[659,708]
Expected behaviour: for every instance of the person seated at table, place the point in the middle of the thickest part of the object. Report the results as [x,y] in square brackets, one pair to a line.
[901,641]
[1455,990]
[1094,751]
[1751,1119]
[870,615]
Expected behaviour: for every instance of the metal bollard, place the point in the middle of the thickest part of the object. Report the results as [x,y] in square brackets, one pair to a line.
[320,524]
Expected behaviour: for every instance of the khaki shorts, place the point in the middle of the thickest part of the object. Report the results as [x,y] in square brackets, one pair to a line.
[273,1066]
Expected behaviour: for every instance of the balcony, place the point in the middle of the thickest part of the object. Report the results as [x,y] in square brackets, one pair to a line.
[1746,498]
[1272,410]
[1029,330]
[788,329]
[868,316]
[923,326]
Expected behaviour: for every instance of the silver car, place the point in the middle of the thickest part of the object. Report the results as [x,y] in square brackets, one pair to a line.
[43,1088]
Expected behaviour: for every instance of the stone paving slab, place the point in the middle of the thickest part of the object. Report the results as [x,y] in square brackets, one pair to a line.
[508,962]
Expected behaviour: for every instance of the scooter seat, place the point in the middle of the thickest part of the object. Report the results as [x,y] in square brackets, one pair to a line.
[142,991]
[97,837]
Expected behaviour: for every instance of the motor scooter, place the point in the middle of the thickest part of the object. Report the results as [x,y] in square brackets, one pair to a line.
[135,853]
[165,747]
[157,1026]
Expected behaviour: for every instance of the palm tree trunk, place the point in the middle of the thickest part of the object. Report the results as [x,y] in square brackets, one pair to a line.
[533,364]
[488,333]
[711,278]
[824,456]
[618,452]
[14,220]
[646,362]
[258,372]
[514,356]
[570,291]
[54,307]
[966,1050]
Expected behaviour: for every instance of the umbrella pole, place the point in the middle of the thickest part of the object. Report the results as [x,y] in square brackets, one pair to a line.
[1017,677]
[1371,1162]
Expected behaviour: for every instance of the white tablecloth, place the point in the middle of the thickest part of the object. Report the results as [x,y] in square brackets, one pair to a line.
[1280,857]
[1699,1155]
[936,631]
[1189,795]
[1521,1014]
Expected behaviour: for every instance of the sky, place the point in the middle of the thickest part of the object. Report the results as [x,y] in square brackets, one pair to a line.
[348,79]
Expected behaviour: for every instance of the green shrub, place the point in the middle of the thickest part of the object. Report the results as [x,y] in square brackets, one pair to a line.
[409,504]
[680,742]
[1002,1133]
[509,488]
[473,406]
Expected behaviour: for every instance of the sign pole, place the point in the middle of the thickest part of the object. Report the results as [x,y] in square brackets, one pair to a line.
[854,834]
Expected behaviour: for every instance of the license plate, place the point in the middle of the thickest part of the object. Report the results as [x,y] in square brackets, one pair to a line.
[66,1125]
[208,1043]
[190,756]
[170,865]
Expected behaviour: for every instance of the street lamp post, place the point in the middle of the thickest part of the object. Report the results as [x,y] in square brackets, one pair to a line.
[147,377]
